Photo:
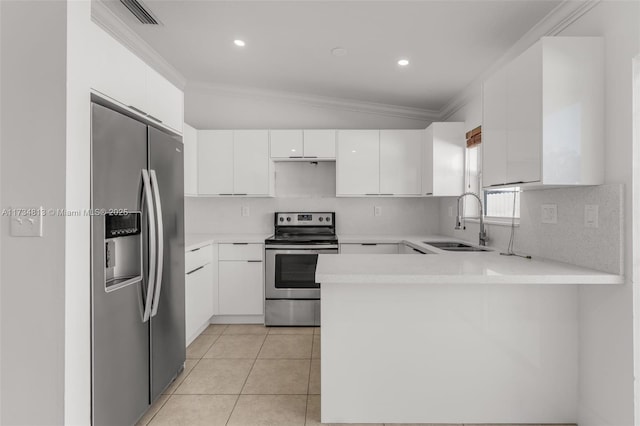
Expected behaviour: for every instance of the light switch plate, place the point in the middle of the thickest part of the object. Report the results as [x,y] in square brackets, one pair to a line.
[549,213]
[27,222]
[377,211]
[591,216]
[245,211]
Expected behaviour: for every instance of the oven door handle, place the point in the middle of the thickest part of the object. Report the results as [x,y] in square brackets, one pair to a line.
[300,248]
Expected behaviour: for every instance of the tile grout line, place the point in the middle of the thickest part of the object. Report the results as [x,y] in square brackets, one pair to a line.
[306,406]
[156,413]
[245,380]
[170,395]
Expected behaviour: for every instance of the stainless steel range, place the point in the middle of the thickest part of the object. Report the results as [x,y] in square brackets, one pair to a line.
[291,291]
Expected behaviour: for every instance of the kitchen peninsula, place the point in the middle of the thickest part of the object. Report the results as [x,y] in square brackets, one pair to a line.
[450,337]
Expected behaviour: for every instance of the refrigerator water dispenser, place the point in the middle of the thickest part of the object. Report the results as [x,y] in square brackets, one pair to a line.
[122,250]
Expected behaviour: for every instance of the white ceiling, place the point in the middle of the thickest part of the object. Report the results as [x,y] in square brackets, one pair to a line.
[449,43]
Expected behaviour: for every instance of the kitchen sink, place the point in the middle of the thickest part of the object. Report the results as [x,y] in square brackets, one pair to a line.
[453,246]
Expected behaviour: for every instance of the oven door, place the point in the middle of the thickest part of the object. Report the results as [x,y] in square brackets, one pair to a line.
[290,272]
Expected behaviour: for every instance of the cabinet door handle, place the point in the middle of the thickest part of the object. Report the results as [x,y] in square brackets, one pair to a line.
[153,118]
[240,194]
[138,110]
[254,261]
[195,249]
[421,252]
[507,183]
[371,194]
[195,270]
[387,194]
[240,244]
[428,193]
[296,156]
[369,244]
[311,156]
[225,194]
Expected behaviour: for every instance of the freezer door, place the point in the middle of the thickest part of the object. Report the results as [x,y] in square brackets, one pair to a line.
[120,338]
[167,322]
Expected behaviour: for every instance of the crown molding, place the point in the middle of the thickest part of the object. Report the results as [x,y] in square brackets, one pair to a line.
[106,19]
[318,101]
[561,17]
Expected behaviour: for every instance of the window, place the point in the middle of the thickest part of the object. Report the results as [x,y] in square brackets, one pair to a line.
[498,202]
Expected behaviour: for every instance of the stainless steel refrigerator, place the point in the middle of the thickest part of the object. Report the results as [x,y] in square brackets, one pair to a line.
[137,263]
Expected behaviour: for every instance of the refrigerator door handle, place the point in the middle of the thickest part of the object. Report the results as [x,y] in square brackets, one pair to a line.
[151,276]
[158,285]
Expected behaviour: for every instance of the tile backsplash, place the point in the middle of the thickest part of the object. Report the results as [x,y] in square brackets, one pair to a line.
[400,216]
[568,240]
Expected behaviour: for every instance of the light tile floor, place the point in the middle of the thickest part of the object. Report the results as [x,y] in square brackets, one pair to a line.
[246,375]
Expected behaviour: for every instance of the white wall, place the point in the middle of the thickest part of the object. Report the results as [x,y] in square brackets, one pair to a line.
[211,108]
[606,313]
[82,36]
[33,125]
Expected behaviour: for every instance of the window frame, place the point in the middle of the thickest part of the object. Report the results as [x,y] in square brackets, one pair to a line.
[474,215]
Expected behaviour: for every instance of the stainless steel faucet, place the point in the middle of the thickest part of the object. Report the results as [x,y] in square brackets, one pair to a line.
[482,236]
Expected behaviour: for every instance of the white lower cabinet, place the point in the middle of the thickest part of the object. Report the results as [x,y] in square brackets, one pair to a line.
[241,279]
[198,294]
[369,248]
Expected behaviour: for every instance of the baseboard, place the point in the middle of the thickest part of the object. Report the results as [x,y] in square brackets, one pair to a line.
[237,319]
[197,333]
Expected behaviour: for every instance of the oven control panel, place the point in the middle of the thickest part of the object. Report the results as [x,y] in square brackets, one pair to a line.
[305,219]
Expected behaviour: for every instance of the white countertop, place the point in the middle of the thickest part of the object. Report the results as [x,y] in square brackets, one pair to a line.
[193,241]
[438,267]
[442,267]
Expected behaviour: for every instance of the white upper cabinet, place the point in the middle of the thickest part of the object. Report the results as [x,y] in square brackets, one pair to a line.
[443,159]
[127,79]
[286,144]
[358,162]
[543,116]
[299,144]
[234,162]
[165,102]
[524,116]
[400,164]
[494,129]
[190,140]
[320,144]
[251,168]
[215,162]
[118,73]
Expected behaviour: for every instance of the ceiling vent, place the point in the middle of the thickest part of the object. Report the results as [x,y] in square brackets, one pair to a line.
[143,14]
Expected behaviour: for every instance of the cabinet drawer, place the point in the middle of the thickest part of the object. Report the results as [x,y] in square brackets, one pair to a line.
[369,248]
[198,257]
[240,251]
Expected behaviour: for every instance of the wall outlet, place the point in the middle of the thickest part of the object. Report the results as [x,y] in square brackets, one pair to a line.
[549,213]
[591,216]
[245,211]
[27,222]
[377,211]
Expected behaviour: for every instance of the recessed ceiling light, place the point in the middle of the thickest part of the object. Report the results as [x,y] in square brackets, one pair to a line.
[339,51]
[239,43]
[403,62]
